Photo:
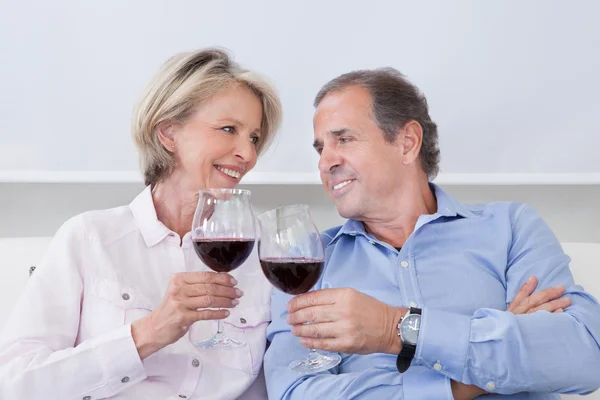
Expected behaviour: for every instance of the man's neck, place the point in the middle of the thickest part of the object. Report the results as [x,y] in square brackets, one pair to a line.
[395,226]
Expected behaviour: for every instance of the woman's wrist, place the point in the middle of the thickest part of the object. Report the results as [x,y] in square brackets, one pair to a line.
[144,339]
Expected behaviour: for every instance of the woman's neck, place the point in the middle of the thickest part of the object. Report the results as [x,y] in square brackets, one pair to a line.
[175,202]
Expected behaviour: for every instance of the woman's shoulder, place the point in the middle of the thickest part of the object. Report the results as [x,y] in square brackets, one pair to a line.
[100,225]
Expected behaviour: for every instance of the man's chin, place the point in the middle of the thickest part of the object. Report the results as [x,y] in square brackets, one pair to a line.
[346,212]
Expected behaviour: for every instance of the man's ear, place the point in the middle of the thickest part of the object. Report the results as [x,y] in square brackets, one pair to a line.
[166,135]
[412,139]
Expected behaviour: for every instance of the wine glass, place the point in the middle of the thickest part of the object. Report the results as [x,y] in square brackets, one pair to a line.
[292,257]
[223,234]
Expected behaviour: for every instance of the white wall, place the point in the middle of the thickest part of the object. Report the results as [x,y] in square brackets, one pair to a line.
[516,80]
[39,209]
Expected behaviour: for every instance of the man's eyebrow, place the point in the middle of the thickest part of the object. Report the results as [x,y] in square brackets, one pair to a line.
[318,143]
[339,132]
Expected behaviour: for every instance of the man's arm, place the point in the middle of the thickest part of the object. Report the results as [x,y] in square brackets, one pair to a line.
[506,353]
[378,380]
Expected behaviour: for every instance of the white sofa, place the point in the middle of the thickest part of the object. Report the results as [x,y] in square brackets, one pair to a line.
[17,255]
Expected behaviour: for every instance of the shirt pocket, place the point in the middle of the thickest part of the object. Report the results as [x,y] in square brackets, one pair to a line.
[249,325]
[127,303]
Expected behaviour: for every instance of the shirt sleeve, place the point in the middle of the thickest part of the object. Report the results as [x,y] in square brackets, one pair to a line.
[38,356]
[376,381]
[505,353]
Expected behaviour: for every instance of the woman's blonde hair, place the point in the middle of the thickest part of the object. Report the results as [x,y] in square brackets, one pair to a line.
[183,83]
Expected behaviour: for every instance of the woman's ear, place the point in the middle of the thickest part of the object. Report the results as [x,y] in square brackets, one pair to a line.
[412,136]
[166,135]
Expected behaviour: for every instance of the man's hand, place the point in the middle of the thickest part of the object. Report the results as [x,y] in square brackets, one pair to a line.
[548,299]
[345,320]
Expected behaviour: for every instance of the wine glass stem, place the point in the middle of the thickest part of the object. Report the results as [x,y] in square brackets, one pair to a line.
[312,356]
[219,327]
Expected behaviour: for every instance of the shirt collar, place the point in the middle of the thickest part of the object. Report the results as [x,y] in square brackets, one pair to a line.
[448,206]
[142,207]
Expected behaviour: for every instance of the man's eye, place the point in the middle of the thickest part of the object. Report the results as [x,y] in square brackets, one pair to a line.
[229,129]
[344,139]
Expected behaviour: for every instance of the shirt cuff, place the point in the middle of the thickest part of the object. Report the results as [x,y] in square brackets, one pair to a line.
[424,384]
[119,360]
[443,342]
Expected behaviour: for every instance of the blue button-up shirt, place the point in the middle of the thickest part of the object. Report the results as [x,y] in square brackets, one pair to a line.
[462,266]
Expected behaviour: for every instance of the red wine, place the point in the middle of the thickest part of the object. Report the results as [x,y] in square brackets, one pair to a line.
[292,275]
[223,255]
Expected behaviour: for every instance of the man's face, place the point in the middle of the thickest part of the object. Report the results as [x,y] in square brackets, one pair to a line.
[359,169]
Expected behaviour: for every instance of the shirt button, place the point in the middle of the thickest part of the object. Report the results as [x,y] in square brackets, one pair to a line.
[243,320]
[195,363]
[87,398]
[437,366]
[125,296]
[412,304]
[490,386]
[404,264]
[125,379]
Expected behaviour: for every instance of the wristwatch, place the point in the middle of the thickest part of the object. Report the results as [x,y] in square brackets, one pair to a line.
[408,330]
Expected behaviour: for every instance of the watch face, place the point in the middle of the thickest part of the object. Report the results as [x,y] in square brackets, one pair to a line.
[409,329]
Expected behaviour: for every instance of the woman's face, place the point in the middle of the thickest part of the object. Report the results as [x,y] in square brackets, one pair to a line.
[216,147]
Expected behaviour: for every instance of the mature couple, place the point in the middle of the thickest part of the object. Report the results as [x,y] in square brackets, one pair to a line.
[422,296]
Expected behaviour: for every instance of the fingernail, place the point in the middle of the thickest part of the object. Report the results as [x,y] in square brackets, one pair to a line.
[561,287]
[235,302]
[226,313]
[530,279]
[239,292]
[234,281]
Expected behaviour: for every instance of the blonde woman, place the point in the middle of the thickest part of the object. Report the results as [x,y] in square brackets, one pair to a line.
[120,296]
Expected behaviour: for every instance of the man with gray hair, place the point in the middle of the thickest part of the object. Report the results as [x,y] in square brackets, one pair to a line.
[420,293]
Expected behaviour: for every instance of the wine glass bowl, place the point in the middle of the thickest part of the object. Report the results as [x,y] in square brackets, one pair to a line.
[223,235]
[292,257]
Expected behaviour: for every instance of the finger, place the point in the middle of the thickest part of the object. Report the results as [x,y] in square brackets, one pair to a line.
[559,311]
[539,298]
[526,290]
[208,277]
[316,331]
[553,305]
[203,289]
[193,303]
[314,298]
[315,314]
[205,315]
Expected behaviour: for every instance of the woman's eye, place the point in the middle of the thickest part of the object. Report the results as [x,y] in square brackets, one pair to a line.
[254,139]
[229,129]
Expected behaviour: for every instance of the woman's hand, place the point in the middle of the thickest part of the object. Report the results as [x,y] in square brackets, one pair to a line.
[186,301]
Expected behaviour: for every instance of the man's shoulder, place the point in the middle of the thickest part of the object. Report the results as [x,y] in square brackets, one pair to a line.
[510,209]
[328,234]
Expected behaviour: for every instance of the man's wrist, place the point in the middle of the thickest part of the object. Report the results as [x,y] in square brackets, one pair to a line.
[394,343]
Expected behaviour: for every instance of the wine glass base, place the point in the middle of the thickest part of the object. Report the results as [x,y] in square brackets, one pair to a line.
[315,363]
[220,343]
